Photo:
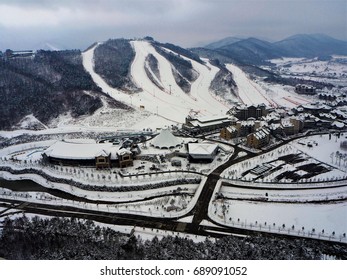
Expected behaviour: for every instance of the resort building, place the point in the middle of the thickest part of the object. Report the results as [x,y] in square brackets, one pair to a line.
[259,138]
[201,125]
[202,152]
[229,133]
[87,152]
[305,89]
[166,140]
[243,112]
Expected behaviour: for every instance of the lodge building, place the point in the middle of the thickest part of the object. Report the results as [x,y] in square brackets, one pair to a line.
[88,153]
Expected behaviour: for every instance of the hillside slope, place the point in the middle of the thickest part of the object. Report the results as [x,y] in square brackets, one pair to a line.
[45,86]
[309,46]
[153,70]
[113,59]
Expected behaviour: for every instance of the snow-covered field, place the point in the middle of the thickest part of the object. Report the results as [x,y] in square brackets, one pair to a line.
[330,71]
[328,220]
[324,150]
[333,68]
[318,220]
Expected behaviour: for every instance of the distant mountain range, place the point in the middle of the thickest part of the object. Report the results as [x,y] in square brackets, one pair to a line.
[255,51]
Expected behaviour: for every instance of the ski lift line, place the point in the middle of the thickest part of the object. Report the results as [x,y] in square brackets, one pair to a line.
[247,97]
[185,96]
[166,91]
[201,79]
[200,85]
[174,104]
[157,55]
[152,94]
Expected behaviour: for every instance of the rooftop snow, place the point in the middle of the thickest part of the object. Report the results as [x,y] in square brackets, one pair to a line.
[166,140]
[201,148]
[81,151]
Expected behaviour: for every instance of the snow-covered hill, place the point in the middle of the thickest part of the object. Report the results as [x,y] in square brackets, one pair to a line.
[164,97]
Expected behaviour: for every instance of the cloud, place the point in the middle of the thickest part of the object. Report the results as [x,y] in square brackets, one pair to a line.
[184,22]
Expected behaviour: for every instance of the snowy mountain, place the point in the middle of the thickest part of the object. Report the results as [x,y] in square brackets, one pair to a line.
[223,42]
[161,81]
[314,45]
[44,86]
[252,51]
[256,52]
[170,81]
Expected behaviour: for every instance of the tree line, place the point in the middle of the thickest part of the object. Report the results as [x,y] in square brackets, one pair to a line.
[70,238]
[47,84]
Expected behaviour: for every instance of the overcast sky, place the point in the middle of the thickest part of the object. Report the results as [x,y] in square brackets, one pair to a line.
[29,24]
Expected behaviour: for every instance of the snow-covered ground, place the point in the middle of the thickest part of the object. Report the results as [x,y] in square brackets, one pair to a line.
[324,149]
[249,91]
[252,208]
[331,71]
[323,221]
[271,217]
[333,68]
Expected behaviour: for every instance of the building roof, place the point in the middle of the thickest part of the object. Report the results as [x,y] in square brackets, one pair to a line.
[123,151]
[231,129]
[166,140]
[249,122]
[201,148]
[212,118]
[81,151]
[197,123]
[338,124]
[261,133]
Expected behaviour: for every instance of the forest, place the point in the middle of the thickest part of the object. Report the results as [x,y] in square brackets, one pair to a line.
[70,238]
[112,62]
[46,85]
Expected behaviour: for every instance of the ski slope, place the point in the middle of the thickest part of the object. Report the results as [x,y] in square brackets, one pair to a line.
[257,92]
[171,103]
[249,91]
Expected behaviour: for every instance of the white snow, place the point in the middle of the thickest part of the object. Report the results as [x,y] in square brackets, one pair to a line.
[324,150]
[253,215]
[249,91]
[281,217]
[331,71]
[30,121]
